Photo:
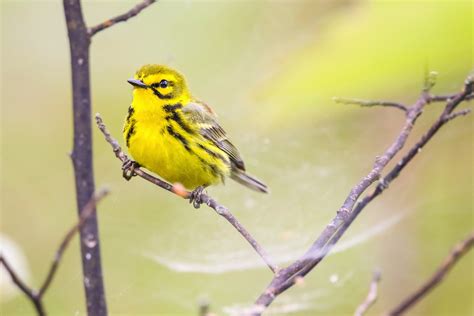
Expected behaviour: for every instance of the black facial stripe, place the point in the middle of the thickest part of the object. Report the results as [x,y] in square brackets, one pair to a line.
[161,96]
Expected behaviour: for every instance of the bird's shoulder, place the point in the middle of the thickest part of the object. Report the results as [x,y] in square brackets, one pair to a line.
[199,112]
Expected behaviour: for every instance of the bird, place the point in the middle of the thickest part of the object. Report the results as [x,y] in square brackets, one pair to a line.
[176,136]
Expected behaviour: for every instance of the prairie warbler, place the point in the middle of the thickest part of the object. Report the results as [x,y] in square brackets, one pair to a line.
[174,135]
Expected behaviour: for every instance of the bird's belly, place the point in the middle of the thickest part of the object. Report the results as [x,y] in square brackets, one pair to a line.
[158,151]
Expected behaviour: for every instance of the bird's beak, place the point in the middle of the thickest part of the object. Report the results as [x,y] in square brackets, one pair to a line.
[136,83]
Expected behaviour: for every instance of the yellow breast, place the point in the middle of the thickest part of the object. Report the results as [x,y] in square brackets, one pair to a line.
[161,145]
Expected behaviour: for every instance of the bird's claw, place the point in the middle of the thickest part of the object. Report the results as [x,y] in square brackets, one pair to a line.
[128,169]
[196,197]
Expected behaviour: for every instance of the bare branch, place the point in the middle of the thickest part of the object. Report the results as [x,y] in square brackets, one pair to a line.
[369,103]
[448,97]
[87,211]
[81,156]
[455,255]
[458,113]
[371,296]
[120,18]
[205,199]
[30,293]
[36,297]
[224,212]
[350,210]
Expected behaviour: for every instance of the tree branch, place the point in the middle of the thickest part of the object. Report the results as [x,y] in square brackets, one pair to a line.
[369,103]
[349,210]
[180,191]
[36,297]
[455,255]
[458,113]
[81,156]
[429,83]
[30,293]
[445,98]
[120,18]
[371,296]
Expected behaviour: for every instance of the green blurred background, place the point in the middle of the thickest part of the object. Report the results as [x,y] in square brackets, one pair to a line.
[269,68]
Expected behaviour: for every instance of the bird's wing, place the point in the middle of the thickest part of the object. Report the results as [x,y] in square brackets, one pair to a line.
[201,115]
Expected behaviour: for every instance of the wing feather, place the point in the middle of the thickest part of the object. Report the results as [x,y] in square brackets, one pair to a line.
[201,115]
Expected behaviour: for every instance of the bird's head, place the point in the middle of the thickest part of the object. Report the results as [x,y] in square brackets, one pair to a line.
[164,82]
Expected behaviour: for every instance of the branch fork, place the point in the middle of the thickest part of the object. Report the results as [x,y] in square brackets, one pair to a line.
[120,18]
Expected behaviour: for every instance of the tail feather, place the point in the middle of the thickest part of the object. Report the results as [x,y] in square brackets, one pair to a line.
[248,181]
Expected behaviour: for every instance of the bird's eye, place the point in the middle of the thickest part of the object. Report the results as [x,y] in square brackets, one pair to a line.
[163,84]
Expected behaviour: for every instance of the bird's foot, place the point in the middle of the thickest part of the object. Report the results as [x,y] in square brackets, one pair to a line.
[128,169]
[195,197]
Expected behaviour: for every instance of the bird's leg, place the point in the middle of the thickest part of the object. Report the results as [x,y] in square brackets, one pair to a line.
[195,196]
[128,169]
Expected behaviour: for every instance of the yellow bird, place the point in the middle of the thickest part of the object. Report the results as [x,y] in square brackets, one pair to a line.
[174,135]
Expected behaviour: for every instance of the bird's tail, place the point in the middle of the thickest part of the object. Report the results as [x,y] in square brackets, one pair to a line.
[249,181]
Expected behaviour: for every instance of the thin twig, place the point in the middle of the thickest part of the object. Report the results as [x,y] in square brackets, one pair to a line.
[121,18]
[350,210]
[36,297]
[445,98]
[371,296]
[458,113]
[370,103]
[205,198]
[30,293]
[456,253]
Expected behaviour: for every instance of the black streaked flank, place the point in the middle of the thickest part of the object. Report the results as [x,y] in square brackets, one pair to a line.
[175,116]
[213,168]
[179,137]
[131,110]
[172,107]
[212,153]
[131,131]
